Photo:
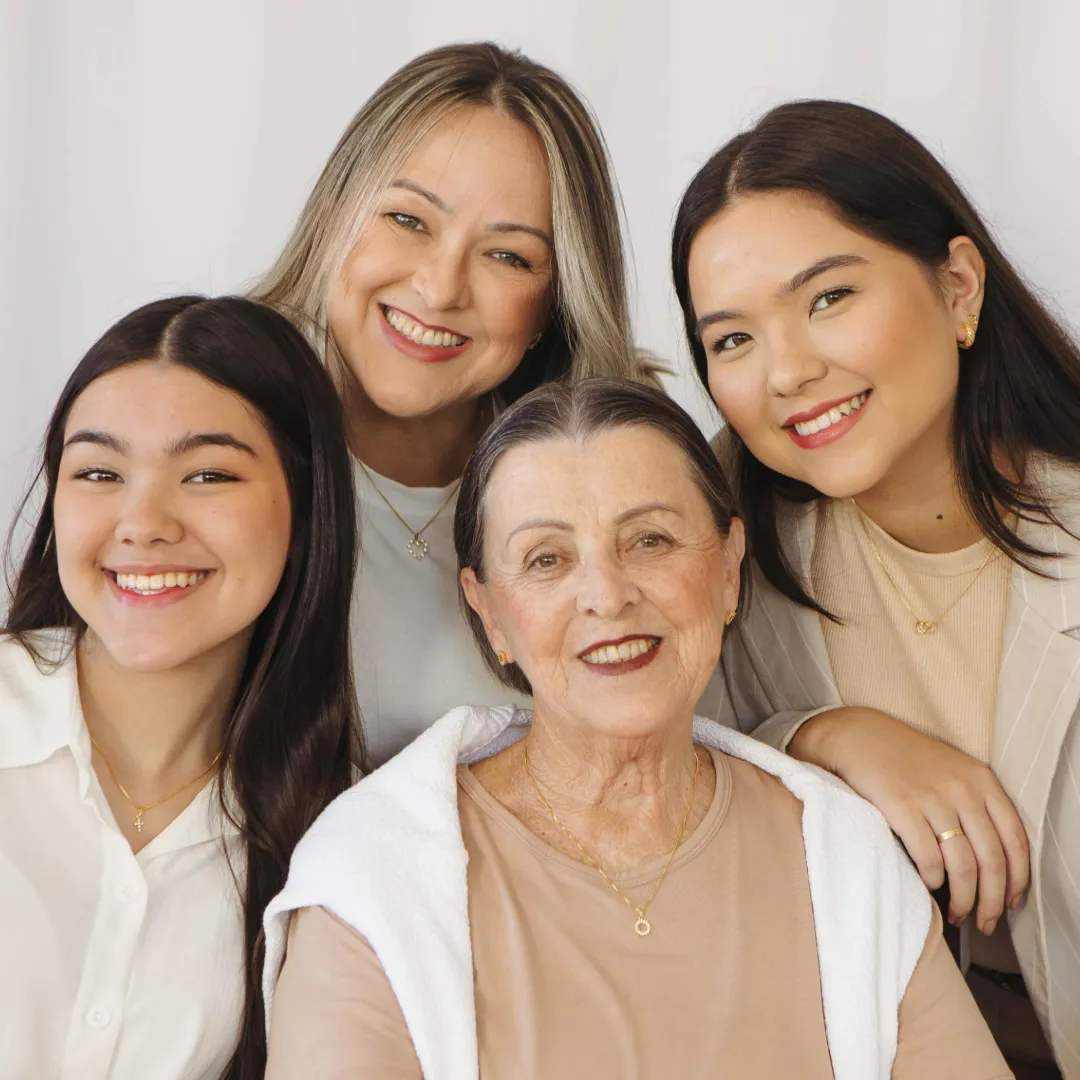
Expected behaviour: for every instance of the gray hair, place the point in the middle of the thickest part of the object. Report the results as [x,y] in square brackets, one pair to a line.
[576,410]
[590,330]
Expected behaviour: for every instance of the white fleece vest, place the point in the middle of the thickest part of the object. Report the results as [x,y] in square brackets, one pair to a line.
[387,857]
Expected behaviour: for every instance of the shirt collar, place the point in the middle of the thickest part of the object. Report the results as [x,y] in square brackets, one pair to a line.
[40,700]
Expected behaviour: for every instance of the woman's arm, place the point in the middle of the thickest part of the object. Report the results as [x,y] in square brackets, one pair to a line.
[335,1015]
[924,787]
[942,1034]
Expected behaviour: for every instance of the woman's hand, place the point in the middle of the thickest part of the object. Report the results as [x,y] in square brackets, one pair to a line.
[923,788]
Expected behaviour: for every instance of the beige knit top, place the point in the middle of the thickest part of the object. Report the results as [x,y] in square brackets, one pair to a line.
[943,683]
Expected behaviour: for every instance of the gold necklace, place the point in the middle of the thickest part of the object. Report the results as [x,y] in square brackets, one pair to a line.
[922,626]
[642,927]
[140,810]
[417,547]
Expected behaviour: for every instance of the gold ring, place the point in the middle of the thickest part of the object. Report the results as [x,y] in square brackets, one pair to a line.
[948,834]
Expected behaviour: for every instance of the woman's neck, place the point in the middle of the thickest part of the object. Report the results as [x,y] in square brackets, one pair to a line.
[919,502]
[624,799]
[421,451]
[159,729]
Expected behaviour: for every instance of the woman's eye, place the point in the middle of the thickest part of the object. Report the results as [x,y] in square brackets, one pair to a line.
[546,561]
[652,541]
[729,342]
[96,476]
[509,258]
[211,476]
[827,299]
[405,221]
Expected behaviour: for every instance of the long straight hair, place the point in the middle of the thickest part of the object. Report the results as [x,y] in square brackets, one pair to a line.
[1019,385]
[292,734]
[590,330]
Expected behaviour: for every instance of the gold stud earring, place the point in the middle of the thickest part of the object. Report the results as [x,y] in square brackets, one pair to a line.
[502,658]
[971,323]
[730,617]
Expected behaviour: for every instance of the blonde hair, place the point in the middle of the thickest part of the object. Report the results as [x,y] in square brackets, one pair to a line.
[590,330]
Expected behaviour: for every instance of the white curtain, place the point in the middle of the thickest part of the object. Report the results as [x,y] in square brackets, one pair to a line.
[150,147]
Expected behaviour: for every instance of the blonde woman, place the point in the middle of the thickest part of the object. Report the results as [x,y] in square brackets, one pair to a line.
[461,247]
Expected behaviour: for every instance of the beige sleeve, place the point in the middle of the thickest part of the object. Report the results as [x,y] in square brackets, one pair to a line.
[335,1015]
[942,1033]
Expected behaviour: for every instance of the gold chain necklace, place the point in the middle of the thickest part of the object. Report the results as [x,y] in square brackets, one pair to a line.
[417,546]
[642,927]
[140,810]
[922,626]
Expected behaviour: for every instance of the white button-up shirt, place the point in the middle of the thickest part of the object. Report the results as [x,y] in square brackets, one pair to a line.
[112,965]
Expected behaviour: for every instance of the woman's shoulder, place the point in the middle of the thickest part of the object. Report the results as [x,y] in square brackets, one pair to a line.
[27,659]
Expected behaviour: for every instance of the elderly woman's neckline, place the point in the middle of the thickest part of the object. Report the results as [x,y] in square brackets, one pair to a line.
[625,820]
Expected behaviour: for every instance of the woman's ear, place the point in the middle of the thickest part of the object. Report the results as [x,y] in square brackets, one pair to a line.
[965,282]
[476,594]
[734,552]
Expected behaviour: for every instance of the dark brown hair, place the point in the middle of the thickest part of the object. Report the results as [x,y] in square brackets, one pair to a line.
[1019,387]
[292,734]
[576,410]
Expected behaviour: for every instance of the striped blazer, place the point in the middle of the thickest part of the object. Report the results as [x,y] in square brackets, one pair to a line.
[775,672]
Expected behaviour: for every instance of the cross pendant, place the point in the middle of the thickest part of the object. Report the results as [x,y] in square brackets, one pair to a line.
[138,821]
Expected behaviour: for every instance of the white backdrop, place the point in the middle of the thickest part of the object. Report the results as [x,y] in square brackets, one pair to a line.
[150,147]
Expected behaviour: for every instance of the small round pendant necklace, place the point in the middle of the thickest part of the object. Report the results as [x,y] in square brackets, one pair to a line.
[642,927]
[417,546]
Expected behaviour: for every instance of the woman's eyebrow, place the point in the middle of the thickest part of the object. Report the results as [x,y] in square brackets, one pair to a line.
[97,438]
[195,440]
[646,508]
[412,185]
[510,226]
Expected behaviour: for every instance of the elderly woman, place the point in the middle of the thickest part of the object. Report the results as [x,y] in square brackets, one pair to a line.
[606,887]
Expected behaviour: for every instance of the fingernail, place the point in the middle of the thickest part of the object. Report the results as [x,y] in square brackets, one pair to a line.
[989,926]
[1016,901]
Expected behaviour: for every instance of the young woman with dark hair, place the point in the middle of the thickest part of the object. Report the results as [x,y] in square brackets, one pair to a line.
[902,426]
[175,691]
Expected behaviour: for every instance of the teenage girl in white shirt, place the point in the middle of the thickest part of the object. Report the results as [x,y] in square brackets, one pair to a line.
[175,699]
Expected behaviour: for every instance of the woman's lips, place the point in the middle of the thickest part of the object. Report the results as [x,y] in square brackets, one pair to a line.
[634,651]
[158,598]
[428,354]
[834,431]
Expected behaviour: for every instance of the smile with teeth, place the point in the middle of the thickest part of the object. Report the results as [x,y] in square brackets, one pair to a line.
[152,584]
[625,650]
[833,415]
[406,327]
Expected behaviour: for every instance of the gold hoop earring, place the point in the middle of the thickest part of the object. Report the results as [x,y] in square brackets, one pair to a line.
[502,658]
[730,617]
[535,341]
[971,324]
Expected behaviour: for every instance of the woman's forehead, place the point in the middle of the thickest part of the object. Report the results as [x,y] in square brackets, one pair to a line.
[601,476]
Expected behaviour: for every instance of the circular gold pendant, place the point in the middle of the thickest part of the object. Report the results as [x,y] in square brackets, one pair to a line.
[643,928]
[924,626]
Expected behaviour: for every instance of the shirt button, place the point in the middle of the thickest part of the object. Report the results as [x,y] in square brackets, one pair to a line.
[98,1017]
[126,894]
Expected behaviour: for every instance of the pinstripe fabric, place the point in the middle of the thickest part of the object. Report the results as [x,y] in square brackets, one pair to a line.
[775,672]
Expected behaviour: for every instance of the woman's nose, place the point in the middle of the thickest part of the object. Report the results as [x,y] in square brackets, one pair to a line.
[794,365]
[148,518]
[441,278]
[606,588]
